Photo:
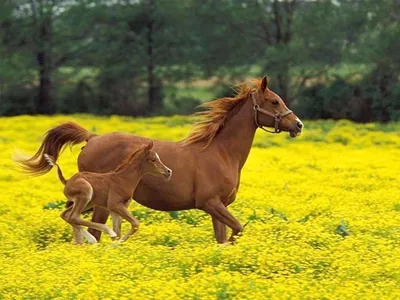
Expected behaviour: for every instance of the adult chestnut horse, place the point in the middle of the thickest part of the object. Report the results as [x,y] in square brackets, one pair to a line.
[206,165]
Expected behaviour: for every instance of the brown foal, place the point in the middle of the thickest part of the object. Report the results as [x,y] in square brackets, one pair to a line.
[112,191]
[207,164]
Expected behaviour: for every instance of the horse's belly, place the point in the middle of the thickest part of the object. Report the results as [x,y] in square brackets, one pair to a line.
[159,201]
[156,193]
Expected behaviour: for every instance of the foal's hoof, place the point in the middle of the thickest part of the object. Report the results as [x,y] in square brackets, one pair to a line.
[89,237]
[113,235]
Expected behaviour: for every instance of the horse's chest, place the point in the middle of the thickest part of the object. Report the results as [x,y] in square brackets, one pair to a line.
[226,186]
[228,199]
[217,178]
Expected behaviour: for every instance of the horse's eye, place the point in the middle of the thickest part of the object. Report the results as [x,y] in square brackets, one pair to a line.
[275,103]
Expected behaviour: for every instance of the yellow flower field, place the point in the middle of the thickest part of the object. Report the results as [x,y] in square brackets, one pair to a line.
[323,214]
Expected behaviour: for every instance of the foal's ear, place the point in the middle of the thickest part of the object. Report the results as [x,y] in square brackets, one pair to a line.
[264,84]
[149,146]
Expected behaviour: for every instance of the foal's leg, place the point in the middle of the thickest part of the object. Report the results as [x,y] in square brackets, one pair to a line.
[83,192]
[117,222]
[90,238]
[100,215]
[78,236]
[87,235]
[76,219]
[123,211]
[76,230]
[218,210]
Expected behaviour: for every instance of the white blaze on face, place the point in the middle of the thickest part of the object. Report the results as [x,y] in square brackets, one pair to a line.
[159,160]
[166,168]
[302,125]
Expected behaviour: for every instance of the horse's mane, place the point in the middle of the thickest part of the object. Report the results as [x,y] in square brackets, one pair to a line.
[127,160]
[217,113]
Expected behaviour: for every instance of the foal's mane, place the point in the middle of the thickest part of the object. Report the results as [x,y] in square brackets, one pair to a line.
[127,160]
[217,113]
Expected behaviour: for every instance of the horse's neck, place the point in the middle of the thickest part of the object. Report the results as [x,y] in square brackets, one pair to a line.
[237,136]
[129,175]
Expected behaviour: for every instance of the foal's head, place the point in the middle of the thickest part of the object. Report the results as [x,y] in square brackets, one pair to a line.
[149,162]
[280,117]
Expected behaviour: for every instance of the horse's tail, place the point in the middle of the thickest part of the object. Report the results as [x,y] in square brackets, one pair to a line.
[54,141]
[51,161]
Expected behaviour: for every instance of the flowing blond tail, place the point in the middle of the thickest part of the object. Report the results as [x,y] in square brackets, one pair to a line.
[51,161]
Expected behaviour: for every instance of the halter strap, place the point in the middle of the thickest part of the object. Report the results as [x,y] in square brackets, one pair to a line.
[277,117]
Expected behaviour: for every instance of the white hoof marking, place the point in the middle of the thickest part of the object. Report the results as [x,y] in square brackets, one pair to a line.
[89,237]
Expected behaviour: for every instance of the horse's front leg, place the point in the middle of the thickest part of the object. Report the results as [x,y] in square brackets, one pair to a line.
[217,210]
[219,230]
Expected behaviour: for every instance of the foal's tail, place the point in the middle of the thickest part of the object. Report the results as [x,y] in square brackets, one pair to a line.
[54,141]
[52,163]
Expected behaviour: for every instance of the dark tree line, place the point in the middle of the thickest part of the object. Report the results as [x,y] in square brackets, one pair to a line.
[327,58]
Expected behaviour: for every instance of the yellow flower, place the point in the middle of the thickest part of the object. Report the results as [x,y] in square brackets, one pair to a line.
[298,197]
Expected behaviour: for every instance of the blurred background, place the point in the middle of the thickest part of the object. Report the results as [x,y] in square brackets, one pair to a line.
[327,59]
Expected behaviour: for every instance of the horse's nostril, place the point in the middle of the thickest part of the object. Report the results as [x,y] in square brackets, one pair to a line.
[299,125]
[169,171]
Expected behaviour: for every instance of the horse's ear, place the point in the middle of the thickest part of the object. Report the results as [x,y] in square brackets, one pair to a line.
[264,84]
[149,146]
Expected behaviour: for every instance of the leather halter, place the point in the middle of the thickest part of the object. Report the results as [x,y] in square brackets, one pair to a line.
[278,117]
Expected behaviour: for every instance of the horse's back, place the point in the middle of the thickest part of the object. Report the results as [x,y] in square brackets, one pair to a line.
[104,153]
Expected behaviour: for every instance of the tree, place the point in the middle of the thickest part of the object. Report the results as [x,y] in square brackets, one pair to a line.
[39,31]
[378,45]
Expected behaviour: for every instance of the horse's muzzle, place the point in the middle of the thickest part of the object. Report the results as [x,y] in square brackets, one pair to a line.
[297,129]
[168,174]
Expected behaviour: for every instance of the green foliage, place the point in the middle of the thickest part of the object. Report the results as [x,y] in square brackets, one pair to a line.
[60,204]
[342,229]
[278,214]
[326,59]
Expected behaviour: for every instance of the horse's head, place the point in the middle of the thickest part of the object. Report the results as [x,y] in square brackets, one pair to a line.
[151,163]
[271,111]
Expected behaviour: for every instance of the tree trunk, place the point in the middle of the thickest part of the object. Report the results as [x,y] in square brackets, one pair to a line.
[45,103]
[283,84]
[283,15]
[153,92]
